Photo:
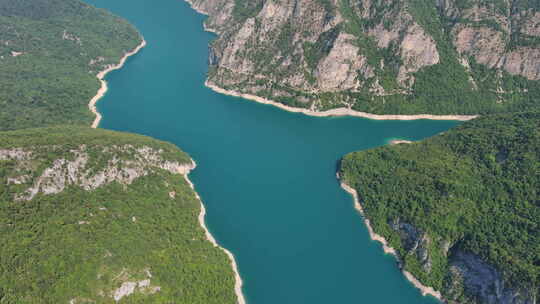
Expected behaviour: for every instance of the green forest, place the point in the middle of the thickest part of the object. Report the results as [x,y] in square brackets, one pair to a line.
[83,245]
[475,187]
[50,53]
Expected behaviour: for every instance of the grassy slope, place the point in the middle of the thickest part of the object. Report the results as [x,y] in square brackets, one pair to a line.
[48,257]
[476,186]
[52,82]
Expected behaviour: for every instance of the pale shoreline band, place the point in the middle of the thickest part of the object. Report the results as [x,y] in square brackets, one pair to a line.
[425,290]
[338,111]
[103,89]
[209,237]
[184,171]
[400,141]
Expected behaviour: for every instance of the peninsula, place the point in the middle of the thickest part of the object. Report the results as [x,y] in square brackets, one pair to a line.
[465,220]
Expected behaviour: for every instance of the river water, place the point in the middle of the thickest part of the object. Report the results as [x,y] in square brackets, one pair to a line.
[266,176]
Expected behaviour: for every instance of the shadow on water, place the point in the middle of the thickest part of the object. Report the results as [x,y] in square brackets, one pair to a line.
[266,176]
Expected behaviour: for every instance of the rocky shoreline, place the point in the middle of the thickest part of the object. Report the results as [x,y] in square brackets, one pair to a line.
[399,141]
[338,111]
[425,290]
[103,89]
[238,280]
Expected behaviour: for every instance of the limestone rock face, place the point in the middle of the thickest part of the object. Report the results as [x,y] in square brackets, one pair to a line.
[77,170]
[220,10]
[415,242]
[303,49]
[338,70]
[484,44]
[491,37]
[417,50]
[531,24]
[469,276]
[303,46]
[483,282]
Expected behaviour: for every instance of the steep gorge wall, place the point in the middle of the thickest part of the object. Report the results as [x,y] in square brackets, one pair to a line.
[323,54]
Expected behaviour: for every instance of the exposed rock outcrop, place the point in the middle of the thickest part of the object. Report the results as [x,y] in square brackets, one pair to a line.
[469,276]
[415,242]
[338,70]
[75,170]
[494,36]
[483,282]
[127,286]
[297,51]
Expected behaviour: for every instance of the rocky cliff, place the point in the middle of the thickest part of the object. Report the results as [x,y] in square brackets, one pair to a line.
[387,57]
[470,279]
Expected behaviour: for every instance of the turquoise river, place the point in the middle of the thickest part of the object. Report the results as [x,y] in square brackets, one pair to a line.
[266,176]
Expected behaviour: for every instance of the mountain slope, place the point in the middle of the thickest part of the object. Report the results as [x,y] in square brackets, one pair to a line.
[50,53]
[86,215]
[383,57]
[92,216]
[462,209]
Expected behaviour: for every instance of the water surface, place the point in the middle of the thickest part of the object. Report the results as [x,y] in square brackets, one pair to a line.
[266,176]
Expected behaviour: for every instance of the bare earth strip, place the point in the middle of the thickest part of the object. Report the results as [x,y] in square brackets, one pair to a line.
[101,75]
[339,111]
[400,141]
[425,290]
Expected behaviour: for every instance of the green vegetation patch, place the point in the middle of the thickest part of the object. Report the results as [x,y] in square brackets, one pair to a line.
[50,53]
[475,188]
[85,245]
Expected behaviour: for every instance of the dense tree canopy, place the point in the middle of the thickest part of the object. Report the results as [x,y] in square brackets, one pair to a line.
[50,53]
[476,187]
[83,245]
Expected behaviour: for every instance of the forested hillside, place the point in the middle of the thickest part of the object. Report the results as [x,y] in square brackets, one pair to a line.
[383,57]
[95,216]
[89,216]
[50,53]
[462,208]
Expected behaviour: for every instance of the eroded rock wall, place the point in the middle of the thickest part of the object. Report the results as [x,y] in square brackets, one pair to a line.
[295,51]
[122,164]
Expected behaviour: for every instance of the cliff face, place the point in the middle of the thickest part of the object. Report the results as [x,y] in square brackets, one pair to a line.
[471,275]
[323,54]
[75,168]
[470,279]
[502,35]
